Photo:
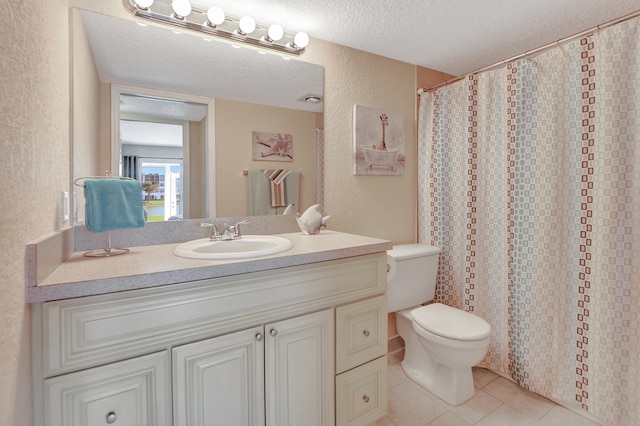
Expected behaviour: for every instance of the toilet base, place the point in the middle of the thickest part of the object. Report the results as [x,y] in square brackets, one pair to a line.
[453,386]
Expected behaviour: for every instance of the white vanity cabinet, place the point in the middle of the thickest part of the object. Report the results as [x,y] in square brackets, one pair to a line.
[253,348]
[226,380]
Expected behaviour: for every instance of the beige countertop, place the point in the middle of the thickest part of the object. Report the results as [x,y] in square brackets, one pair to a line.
[156,265]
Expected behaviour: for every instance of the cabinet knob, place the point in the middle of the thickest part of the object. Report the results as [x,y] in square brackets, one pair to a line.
[366,333]
[365,398]
[111,418]
[273,332]
[259,337]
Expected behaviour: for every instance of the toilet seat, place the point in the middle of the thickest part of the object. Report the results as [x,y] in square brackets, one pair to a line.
[450,323]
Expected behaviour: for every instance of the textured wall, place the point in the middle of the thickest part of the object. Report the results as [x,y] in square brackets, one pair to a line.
[85,89]
[376,206]
[34,142]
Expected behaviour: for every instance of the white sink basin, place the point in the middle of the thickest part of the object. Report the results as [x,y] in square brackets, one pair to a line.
[246,247]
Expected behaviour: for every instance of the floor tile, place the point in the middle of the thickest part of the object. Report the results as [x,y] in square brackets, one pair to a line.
[483,376]
[507,416]
[410,405]
[497,402]
[385,421]
[529,403]
[560,416]
[449,419]
[478,407]
[395,376]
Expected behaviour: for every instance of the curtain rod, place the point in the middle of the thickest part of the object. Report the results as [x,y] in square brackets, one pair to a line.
[530,52]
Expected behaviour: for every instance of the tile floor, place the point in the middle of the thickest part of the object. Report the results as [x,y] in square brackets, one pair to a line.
[497,402]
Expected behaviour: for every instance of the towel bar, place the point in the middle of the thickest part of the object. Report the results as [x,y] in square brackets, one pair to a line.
[75,182]
[106,252]
[109,250]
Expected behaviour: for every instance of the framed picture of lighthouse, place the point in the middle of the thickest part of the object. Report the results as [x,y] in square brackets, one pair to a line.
[378,141]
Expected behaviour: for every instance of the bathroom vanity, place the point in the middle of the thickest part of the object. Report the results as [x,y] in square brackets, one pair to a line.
[296,338]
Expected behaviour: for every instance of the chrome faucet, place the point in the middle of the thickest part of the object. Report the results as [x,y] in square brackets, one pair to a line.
[231,232]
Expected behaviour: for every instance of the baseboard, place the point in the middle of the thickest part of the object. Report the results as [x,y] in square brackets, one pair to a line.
[395,350]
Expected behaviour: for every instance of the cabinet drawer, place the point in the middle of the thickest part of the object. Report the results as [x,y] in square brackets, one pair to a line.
[361,332]
[361,394]
[132,392]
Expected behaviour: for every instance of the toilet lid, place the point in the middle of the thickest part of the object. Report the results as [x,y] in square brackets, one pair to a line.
[451,323]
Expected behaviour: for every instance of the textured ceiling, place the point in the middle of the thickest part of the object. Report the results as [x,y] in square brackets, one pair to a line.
[453,36]
[149,56]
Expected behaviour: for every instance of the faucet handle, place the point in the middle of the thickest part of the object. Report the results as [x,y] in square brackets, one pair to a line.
[214,234]
[236,231]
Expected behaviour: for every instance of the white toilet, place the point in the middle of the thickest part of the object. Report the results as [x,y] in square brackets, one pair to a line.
[441,343]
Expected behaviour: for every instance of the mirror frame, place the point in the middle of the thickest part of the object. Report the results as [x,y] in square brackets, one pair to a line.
[118,89]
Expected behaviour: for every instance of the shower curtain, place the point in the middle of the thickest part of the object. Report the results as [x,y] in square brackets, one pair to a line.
[320,166]
[529,179]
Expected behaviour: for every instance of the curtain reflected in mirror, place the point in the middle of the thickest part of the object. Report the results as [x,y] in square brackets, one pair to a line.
[130,166]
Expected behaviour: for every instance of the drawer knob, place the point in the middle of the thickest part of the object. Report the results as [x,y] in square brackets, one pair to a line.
[273,332]
[259,337]
[366,333]
[111,418]
[365,398]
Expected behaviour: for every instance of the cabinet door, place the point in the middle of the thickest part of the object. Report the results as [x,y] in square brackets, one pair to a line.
[132,392]
[300,370]
[220,381]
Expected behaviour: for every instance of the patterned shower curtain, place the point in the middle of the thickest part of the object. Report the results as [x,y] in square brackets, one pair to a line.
[320,166]
[529,179]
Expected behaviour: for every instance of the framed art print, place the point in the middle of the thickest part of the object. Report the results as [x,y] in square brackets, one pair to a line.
[378,141]
[271,146]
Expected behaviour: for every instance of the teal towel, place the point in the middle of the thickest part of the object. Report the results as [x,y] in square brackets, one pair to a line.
[113,204]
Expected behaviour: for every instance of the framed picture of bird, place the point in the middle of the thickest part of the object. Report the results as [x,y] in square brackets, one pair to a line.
[272,146]
[378,141]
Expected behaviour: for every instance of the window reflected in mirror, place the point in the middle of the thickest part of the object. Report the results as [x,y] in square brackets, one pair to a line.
[162,143]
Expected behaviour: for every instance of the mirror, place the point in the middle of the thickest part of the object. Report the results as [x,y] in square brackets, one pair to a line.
[243,91]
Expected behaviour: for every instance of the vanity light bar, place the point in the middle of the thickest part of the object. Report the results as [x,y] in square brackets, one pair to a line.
[230,28]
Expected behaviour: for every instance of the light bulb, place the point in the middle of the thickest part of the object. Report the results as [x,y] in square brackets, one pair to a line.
[144,4]
[247,25]
[215,15]
[181,8]
[275,32]
[300,40]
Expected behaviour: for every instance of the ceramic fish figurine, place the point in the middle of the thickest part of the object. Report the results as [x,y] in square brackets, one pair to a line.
[312,220]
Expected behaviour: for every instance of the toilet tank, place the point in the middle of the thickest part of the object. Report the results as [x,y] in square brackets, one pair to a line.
[411,275]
